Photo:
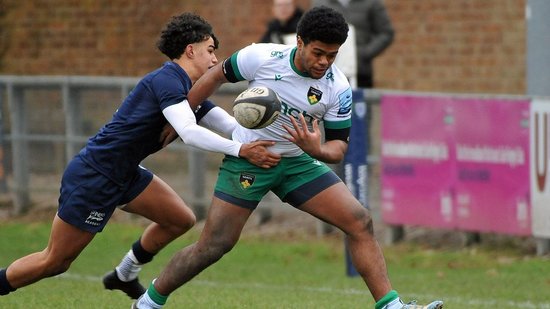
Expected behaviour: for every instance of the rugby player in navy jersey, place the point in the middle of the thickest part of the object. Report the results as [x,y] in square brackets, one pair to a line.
[106,173]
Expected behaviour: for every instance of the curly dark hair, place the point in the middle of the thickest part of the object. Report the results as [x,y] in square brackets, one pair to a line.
[182,30]
[323,24]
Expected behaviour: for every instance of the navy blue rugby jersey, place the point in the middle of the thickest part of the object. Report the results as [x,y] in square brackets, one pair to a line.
[133,132]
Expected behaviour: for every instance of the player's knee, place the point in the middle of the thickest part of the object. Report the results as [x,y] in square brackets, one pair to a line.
[363,223]
[56,262]
[188,223]
[222,248]
[218,249]
[183,224]
[56,267]
[369,225]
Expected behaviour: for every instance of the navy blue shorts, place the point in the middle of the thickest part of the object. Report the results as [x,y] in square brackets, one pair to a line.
[88,198]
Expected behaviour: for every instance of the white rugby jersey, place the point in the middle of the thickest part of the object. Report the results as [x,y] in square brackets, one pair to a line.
[328,99]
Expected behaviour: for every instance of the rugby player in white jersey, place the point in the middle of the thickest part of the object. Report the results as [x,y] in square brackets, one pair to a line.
[106,173]
[312,90]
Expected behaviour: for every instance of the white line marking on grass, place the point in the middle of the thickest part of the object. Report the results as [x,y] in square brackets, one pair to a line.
[447,299]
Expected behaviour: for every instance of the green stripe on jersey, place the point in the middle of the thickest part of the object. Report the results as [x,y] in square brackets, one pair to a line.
[338,124]
[238,74]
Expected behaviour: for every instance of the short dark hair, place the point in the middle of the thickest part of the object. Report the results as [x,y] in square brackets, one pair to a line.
[323,24]
[182,30]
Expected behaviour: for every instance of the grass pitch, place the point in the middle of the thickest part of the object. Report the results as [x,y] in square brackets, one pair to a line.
[270,272]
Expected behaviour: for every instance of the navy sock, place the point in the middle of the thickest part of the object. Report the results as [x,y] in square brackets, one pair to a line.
[141,255]
[5,286]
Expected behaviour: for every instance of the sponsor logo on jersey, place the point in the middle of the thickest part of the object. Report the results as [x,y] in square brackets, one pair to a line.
[277,54]
[246,180]
[330,76]
[345,100]
[314,95]
[278,77]
[294,112]
[95,218]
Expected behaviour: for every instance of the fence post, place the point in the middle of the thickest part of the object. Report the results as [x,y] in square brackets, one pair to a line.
[3,178]
[197,166]
[20,151]
[73,119]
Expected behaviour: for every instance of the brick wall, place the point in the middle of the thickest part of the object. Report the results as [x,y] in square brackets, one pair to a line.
[470,46]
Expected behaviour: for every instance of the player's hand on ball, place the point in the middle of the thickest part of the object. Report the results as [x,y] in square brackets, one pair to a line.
[308,141]
[258,154]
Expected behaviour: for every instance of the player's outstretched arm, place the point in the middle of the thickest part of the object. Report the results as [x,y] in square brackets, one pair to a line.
[206,85]
[216,118]
[181,117]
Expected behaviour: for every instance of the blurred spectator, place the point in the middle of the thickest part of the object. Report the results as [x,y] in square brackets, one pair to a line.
[373,31]
[286,16]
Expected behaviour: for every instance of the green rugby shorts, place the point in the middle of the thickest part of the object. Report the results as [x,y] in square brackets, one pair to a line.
[294,180]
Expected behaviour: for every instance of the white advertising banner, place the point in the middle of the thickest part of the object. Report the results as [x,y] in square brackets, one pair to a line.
[540,167]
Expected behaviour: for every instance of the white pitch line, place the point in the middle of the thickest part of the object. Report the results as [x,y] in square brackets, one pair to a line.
[447,299]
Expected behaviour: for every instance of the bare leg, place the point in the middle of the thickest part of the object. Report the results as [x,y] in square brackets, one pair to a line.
[65,244]
[171,218]
[170,215]
[220,234]
[337,206]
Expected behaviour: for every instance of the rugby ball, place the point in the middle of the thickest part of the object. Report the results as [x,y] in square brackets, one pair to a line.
[256,107]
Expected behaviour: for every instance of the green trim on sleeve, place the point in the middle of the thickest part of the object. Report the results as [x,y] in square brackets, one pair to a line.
[338,124]
[235,67]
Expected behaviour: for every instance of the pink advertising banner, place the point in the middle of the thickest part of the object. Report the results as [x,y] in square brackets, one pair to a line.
[456,163]
[492,158]
[417,171]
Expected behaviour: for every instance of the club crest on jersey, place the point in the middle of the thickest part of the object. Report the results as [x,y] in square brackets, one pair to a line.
[314,95]
[246,180]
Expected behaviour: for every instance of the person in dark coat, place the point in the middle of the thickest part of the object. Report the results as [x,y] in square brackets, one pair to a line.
[286,16]
[373,30]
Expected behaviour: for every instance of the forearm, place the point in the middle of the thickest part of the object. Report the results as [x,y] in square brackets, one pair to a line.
[219,120]
[206,86]
[181,117]
[330,151]
[207,140]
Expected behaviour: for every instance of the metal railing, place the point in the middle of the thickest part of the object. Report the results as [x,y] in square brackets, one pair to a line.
[23,97]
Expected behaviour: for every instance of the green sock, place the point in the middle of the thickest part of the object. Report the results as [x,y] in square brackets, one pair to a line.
[388,298]
[156,296]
